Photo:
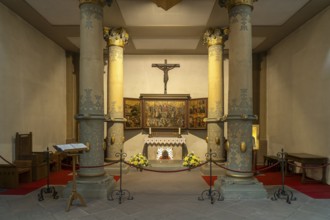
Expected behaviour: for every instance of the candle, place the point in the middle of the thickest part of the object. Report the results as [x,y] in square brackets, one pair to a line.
[179,130]
[149,130]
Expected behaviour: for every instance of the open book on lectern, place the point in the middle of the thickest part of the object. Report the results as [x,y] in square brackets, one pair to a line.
[74,147]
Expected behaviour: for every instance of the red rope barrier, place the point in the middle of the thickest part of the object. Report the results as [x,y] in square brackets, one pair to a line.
[190,168]
[104,165]
[252,171]
[165,171]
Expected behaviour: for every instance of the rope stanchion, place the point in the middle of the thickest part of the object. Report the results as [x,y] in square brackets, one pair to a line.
[121,192]
[209,193]
[48,189]
[281,192]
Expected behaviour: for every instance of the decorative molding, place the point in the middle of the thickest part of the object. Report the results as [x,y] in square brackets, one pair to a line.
[229,4]
[90,11]
[166,4]
[243,106]
[88,103]
[98,2]
[245,14]
[216,36]
[115,36]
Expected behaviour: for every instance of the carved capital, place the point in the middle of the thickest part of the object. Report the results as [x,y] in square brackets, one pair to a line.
[115,36]
[216,36]
[99,2]
[232,3]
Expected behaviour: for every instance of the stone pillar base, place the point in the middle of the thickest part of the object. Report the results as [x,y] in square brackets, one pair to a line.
[114,170]
[236,188]
[91,188]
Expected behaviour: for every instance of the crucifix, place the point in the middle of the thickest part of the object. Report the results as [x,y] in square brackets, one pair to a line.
[165,67]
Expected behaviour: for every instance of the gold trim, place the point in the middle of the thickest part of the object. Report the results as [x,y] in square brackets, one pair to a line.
[207,139]
[112,140]
[98,2]
[217,140]
[88,145]
[232,3]
[239,175]
[115,36]
[227,146]
[91,175]
[216,36]
[243,147]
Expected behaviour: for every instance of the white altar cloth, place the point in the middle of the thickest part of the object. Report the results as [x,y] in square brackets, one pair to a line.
[154,146]
[164,141]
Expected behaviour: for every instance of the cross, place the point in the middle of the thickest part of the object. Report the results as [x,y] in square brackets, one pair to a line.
[165,67]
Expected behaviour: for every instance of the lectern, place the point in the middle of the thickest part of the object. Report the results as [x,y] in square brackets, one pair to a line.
[74,151]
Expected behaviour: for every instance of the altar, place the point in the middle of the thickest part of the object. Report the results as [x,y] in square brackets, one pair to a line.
[165,148]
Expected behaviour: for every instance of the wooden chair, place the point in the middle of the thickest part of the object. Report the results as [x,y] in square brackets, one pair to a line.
[23,151]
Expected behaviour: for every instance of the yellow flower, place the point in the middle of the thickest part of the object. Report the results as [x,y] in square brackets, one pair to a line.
[191,160]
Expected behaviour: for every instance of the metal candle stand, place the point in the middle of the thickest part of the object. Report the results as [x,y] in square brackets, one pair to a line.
[48,189]
[281,193]
[209,193]
[121,192]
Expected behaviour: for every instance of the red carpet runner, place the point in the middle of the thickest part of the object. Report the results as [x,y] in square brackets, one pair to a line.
[56,178]
[314,190]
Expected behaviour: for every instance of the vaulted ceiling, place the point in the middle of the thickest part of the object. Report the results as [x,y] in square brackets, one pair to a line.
[166,26]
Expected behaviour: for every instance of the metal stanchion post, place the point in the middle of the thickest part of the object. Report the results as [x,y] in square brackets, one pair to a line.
[209,193]
[121,192]
[48,189]
[281,192]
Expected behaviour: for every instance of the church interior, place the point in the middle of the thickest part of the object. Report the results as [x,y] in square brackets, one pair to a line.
[161,78]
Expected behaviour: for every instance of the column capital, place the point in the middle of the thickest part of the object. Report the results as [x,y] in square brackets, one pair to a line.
[98,2]
[232,3]
[115,36]
[216,36]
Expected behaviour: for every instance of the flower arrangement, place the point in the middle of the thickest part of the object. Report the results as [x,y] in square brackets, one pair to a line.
[139,160]
[191,160]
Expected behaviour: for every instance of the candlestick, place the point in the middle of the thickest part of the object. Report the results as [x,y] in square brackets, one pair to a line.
[149,130]
[179,130]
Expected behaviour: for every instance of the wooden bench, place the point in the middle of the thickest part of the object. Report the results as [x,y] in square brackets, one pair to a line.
[309,160]
[11,175]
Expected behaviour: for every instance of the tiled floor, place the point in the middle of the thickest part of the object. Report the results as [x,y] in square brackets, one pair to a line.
[160,196]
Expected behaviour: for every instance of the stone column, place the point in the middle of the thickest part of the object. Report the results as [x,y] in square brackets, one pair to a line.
[240,108]
[92,181]
[91,116]
[116,39]
[238,185]
[215,39]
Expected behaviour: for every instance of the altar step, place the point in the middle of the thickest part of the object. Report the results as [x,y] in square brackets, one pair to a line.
[166,164]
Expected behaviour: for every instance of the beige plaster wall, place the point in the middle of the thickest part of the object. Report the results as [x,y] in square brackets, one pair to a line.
[32,85]
[190,78]
[298,88]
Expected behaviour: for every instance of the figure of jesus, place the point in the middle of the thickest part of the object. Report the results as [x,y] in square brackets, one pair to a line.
[165,68]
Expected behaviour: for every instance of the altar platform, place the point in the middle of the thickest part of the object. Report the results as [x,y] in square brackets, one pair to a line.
[166,164]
